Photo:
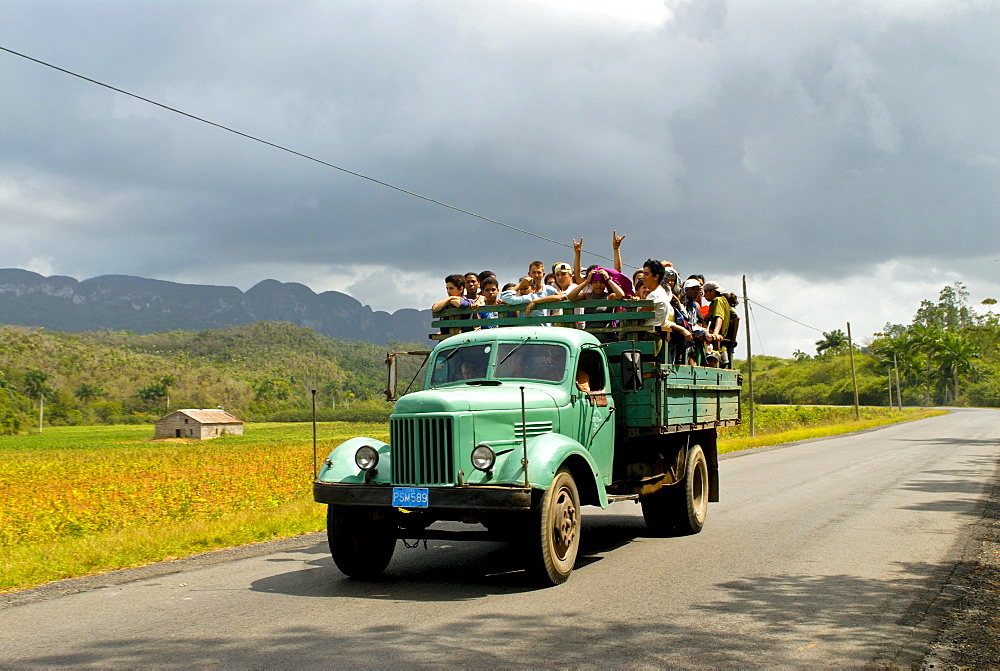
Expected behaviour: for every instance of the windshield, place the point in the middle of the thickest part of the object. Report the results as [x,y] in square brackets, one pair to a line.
[521,361]
[533,361]
[461,363]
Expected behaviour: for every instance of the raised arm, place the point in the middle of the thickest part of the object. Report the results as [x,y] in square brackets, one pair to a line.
[616,243]
[577,249]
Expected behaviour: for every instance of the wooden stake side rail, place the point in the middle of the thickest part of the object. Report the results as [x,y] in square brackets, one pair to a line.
[628,316]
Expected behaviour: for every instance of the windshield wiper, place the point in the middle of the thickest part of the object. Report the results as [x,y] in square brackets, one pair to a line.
[507,355]
[485,383]
[451,354]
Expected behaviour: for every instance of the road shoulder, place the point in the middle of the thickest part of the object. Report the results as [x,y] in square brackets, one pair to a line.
[970,635]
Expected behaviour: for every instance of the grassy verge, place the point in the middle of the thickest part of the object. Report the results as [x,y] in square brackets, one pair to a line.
[83,500]
[731,443]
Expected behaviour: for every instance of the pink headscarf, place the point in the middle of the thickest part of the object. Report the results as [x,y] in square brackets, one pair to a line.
[621,280]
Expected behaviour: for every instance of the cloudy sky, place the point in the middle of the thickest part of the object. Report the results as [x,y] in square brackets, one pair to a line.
[843,155]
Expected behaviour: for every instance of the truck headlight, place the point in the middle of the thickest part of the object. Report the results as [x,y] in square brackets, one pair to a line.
[366,457]
[483,458]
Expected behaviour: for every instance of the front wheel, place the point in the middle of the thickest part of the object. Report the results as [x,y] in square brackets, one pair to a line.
[552,553]
[680,509]
[361,542]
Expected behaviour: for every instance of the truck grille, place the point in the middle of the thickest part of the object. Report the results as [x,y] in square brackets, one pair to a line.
[422,451]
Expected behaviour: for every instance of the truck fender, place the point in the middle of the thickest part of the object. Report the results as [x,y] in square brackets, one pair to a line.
[546,454]
[339,465]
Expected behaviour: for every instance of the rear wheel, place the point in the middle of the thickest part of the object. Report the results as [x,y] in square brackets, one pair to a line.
[680,509]
[552,553]
[361,542]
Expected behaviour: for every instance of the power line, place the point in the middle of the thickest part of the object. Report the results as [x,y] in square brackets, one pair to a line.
[753,319]
[785,316]
[334,166]
[292,151]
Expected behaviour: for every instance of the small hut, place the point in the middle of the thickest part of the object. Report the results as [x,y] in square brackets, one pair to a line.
[198,424]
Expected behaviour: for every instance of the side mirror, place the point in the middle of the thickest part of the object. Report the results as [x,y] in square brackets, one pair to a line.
[391,361]
[631,370]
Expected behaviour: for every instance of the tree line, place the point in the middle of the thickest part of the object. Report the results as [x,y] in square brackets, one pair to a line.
[949,354]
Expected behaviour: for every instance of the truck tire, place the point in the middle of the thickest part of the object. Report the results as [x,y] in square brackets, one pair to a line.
[361,543]
[680,509]
[556,530]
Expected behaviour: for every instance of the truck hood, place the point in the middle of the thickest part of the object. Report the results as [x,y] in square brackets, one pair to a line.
[474,397]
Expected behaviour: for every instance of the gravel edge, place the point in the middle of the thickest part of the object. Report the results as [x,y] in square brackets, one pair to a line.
[969,636]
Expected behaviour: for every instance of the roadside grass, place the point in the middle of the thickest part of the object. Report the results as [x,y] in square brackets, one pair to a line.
[777,425]
[84,500]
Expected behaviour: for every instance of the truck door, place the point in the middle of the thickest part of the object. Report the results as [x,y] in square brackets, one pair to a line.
[596,429]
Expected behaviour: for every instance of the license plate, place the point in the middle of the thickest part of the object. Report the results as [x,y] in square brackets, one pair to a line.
[410,497]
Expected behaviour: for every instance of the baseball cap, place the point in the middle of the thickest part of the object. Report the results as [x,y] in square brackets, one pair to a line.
[561,268]
[692,284]
[714,286]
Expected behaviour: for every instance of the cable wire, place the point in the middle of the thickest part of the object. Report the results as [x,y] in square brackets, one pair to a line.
[785,316]
[337,167]
[753,320]
[296,153]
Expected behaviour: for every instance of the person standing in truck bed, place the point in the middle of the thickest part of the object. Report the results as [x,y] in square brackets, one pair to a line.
[719,312]
[455,286]
[598,285]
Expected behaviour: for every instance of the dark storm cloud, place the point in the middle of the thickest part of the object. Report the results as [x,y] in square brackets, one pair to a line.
[858,131]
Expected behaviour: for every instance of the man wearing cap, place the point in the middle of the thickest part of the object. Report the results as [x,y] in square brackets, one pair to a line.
[719,312]
[692,305]
[564,285]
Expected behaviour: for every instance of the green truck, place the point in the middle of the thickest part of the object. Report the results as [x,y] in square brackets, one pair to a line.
[522,421]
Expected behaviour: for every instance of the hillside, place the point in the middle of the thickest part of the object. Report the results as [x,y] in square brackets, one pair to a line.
[121,302]
[258,371]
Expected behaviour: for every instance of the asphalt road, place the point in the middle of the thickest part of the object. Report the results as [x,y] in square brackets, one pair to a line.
[830,552]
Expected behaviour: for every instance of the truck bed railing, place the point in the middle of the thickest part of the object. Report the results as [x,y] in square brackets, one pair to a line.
[628,315]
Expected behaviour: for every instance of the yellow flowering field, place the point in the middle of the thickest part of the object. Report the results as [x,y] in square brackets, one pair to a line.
[76,483]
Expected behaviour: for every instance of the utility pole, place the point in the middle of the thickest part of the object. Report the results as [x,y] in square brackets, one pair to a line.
[746,315]
[854,374]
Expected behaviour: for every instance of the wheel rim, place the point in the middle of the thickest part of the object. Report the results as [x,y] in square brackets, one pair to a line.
[564,524]
[699,489]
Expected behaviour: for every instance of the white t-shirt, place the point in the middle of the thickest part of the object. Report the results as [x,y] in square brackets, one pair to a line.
[661,303]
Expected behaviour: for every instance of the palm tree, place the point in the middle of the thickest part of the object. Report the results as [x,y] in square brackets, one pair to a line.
[88,392]
[166,382]
[834,342]
[35,384]
[955,358]
[927,339]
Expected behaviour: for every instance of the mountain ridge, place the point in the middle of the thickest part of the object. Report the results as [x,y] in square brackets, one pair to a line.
[144,305]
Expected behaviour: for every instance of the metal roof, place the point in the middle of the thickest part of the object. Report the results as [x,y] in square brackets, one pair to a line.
[210,416]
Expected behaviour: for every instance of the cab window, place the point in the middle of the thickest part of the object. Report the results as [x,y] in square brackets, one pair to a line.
[531,361]
[459,364]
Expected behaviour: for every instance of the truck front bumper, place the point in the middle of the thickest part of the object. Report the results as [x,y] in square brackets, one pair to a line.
[467,497]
